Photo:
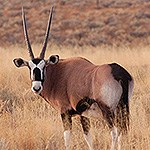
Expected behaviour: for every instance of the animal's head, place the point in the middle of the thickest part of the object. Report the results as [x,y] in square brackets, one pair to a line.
[36,65]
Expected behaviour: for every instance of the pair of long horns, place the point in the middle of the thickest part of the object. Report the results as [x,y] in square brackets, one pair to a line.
[42,54]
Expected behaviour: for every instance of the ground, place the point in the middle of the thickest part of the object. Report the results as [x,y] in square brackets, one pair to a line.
[28,122]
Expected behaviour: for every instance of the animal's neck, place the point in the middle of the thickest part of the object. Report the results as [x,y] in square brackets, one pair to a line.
[54,81]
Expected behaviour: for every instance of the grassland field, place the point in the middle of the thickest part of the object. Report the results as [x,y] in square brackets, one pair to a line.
[27,122]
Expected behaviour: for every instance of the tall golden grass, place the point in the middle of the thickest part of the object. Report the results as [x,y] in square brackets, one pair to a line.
[27,122]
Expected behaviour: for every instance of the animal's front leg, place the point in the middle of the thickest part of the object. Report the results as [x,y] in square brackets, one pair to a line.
[86,128]
[67,123]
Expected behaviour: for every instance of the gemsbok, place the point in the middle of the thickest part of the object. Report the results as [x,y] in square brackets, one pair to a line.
[75,86]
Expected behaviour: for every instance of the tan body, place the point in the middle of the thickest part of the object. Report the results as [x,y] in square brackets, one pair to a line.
[70,80]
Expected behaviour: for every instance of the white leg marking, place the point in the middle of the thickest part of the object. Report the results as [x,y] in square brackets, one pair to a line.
[67,138]
[114,135]
[89,140]
[119,141]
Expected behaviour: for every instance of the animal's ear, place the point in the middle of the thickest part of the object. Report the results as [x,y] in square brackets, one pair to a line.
[19,62]
[54,59]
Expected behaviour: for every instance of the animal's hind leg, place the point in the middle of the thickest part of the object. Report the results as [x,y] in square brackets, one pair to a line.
[119,141]
[67,124]
[110,119]
[116,138]
[86,128]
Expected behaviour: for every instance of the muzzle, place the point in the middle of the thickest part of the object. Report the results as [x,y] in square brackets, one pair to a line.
[37,87]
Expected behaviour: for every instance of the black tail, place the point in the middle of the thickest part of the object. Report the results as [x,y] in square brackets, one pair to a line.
[122,111]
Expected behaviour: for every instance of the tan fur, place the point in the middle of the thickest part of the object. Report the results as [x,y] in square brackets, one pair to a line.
[70,80]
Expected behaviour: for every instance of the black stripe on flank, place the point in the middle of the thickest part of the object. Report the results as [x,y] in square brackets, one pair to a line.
[84,104]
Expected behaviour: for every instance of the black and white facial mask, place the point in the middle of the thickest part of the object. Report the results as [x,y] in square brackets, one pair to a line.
[37,69]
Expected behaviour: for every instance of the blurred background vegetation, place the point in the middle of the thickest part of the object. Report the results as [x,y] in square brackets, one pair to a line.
[78,23]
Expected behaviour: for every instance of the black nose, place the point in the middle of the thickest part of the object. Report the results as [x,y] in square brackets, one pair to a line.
[36,90]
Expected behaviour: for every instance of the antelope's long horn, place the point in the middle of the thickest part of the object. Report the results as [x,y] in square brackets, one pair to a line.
[42,54]
[26,35]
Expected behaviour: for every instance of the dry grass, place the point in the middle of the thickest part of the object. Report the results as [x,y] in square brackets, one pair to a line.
[29,123]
